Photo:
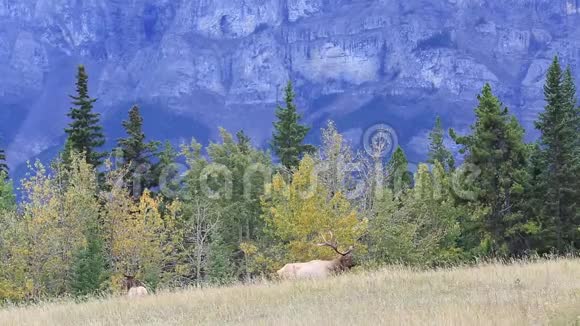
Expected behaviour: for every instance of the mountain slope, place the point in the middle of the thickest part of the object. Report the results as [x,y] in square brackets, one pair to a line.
[223,63]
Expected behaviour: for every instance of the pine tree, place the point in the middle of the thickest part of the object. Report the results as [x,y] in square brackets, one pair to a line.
[289,134]
[559,127]
[399,178]
[84,133]
[3,165]
[437,150]
[496,148]
[137,153]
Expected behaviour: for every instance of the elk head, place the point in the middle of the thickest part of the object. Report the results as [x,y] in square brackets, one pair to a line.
[134,287]
[345,260]
[131,282]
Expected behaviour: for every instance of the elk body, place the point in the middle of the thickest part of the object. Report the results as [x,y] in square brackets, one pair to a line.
[134,287]
[318,268]
[135,292]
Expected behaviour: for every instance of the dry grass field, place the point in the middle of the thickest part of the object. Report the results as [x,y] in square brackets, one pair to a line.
[540,293]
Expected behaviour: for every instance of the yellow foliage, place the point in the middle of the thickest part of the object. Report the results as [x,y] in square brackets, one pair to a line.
[248,248]
[301,212]
[55,214]
[136,232]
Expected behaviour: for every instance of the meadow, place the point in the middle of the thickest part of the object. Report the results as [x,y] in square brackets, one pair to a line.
[521,293]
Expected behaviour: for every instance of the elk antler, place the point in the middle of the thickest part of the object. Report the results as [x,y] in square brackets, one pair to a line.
[334,245]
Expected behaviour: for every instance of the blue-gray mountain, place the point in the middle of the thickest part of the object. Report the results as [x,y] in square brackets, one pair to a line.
[194,65]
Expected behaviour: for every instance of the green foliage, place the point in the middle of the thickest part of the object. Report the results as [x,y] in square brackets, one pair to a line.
[437,150]
[165,172]
[558,162]
[220,269]
[85,133]
[221,205]
[137,154]
[57,207]
[289,134]
[89,267]
[249,170]
[418,227]
[228,219]
[399,178]
[15,283]
[7,197]
[496,149]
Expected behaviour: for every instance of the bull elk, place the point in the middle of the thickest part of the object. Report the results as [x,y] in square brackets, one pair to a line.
[319,268]
[134,287]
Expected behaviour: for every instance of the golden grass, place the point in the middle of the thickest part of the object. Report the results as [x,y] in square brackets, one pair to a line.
[540,293]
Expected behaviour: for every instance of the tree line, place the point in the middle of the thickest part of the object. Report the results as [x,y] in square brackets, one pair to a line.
[234,214]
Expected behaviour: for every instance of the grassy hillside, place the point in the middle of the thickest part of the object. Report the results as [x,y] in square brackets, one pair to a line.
[540,293]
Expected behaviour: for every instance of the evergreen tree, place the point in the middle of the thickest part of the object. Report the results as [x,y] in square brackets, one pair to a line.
[437,150]
[137,153]
[543,240]
[249,169]
[244,142]
[88,271]
[3,165]
[84,133]
[399,178]
[7,198]
[165,172]
[560,159]
[569,90]
[496,148]
[417,227]
[289,134]
[220,269]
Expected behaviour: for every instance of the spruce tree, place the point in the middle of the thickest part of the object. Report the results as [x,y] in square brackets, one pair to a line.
[496,148]
[560,159]
[137,153]
[437,150]
[399,178]
[3,165]
[85,133]
[543,241]
[289,134]
[569,90]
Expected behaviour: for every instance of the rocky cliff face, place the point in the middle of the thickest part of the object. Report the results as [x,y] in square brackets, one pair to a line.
[223,63]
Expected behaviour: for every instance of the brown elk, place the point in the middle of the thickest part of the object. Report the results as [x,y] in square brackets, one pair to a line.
[134,287]
[319,268]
